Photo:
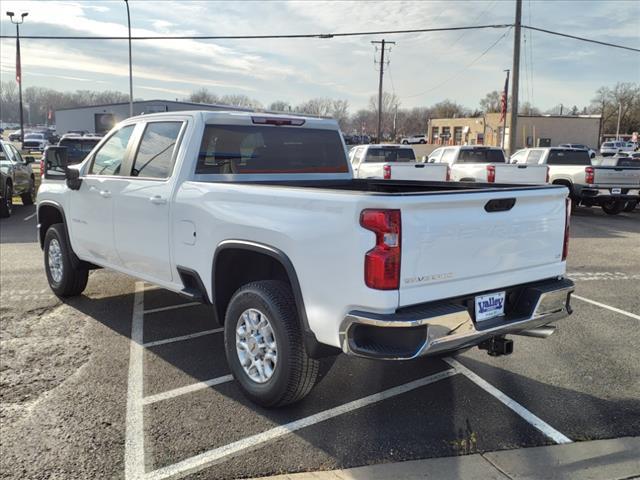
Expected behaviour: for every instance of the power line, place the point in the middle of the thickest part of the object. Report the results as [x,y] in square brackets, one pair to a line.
[259,37]
[583,39]
[446,80]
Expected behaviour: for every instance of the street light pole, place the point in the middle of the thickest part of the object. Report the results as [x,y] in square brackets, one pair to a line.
[130,64]
[19,70]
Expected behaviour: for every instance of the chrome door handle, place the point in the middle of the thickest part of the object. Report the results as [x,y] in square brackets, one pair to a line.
[158,200]
[105,193]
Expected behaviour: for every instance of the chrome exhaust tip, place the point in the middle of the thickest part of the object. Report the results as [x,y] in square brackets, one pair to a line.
[539,332]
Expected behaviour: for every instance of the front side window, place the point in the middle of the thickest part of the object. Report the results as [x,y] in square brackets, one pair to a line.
[448,155]
[519,157]
[154,158]
[257,149]
[108,160]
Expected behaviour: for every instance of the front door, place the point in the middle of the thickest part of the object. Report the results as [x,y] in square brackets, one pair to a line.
[142,207]
[91,207]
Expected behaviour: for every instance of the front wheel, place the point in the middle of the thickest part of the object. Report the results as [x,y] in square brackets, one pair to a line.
[64,279]
[29,197]
[6,207]
[613,207]
[405,142]
[264,345]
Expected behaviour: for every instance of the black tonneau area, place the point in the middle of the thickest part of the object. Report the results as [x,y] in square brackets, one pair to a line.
[398,187]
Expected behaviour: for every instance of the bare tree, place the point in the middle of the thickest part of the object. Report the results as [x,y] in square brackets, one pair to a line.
[321,107]
[280,106]
[203,96]
[240,101]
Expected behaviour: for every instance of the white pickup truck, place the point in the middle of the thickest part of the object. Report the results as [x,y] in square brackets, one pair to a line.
[393,162]
[610,187]
[260,216]
[486,164]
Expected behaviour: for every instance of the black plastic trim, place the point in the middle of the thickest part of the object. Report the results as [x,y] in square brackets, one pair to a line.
[314,348]
[198,292]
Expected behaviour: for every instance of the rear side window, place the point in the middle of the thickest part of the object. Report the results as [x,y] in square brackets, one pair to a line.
[607,145]
[257,149]
[108,160]
[568,157]
[481,156]
[535,156]
[154,158]
[628,162]
[448,155]
[390,155]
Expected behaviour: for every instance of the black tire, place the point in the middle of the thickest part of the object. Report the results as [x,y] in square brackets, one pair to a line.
[295,373]
[405,142]
[72,280]
[422,142]
[630,206]
[6,206]
[613,207]
[29,197]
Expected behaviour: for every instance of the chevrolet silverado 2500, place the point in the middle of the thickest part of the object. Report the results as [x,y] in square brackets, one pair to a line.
[610,187]
[259,215]
[393,162]
[486,164]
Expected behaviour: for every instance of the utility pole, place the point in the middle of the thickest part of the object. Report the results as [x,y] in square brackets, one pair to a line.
[130,63]
[17,23]
[513,128]
[504,120]
[382,49]
[618,127]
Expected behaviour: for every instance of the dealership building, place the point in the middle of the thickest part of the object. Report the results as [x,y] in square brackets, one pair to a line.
[101,118]
[532,130]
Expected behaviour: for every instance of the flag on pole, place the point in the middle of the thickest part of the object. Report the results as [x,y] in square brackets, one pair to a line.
[504,99]
[18,66]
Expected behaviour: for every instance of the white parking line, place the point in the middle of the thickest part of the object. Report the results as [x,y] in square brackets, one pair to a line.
[535,421]
[183,337]
[134,438]
[29,217]
[608,307]
[210,457]
[171,307]
[176,392]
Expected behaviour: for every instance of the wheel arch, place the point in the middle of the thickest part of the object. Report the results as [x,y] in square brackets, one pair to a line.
[238,262]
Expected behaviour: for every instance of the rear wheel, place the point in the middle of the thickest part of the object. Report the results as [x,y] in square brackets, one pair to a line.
[264,345]
[65,279]
[29,197]
[630,206]
[6,206]
[613,207]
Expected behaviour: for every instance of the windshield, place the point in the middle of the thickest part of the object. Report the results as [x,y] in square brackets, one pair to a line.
[241,149]
[34,136]
[481,155]
[390,155]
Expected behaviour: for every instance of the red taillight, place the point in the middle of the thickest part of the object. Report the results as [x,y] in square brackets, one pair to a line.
[565,246]
[448,173]
[386,172]
[382,263]
[589,175]
[491,173]
[42,167]
[548,177]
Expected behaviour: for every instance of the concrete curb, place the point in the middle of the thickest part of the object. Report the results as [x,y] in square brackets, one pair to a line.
[614,459]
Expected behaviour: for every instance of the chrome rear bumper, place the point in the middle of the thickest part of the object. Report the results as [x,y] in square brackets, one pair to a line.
[438,327]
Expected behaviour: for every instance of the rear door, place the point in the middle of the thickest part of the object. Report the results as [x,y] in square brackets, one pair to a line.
[141,218]
[460,243]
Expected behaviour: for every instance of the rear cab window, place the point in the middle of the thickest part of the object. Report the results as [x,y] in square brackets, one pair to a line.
[568,157]
[489,155]
[262,149]
[390,155]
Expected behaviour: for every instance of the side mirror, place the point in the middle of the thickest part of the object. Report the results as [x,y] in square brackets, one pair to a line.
[29,159]
[72,175]
[55,163]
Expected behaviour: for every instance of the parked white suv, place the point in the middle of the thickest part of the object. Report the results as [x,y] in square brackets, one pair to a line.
[608,149]
[260,216]
[414,139]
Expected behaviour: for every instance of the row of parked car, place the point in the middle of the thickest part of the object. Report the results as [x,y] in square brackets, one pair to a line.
[611,183]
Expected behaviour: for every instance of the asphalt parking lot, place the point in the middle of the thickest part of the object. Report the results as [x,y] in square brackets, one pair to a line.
[130,381]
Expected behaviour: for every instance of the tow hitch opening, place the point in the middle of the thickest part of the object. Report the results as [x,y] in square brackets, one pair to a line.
[497,346]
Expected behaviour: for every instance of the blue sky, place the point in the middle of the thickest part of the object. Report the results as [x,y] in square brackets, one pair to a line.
[424,69]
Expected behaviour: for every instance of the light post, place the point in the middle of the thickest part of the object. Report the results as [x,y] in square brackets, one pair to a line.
[130,65]
[19,69]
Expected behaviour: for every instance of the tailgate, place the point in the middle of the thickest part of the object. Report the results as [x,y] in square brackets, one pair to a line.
[452,246]
[419,171]
[627,176]
[521,173]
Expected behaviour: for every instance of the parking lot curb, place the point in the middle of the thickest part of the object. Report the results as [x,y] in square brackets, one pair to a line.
[598,459]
